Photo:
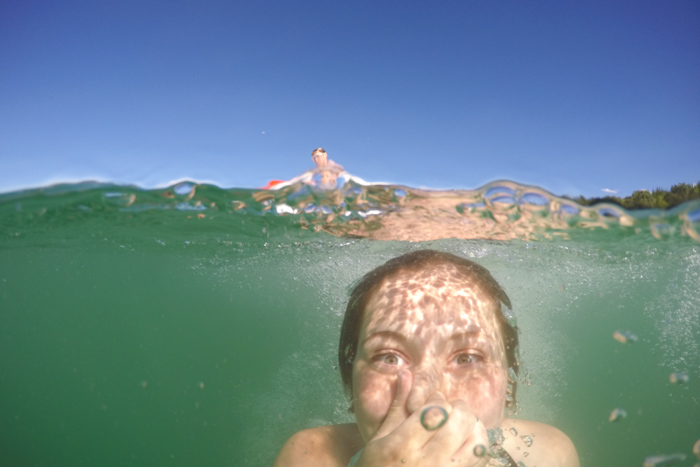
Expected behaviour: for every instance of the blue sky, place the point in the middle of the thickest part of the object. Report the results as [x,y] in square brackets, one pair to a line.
[575,97]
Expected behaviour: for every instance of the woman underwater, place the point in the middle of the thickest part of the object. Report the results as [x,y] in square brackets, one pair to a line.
[428,359]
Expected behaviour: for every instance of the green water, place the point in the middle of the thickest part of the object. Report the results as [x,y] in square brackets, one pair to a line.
[139,333]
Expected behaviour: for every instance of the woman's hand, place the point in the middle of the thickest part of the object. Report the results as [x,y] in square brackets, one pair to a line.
[413,440]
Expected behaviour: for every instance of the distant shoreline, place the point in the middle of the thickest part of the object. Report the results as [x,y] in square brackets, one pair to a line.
[643,199]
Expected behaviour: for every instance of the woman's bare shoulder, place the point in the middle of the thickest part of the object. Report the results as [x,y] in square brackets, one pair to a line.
[538,444]
[327,446]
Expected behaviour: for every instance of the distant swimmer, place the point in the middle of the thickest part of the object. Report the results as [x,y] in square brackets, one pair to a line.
[328,169]
[320,158]
[325,175]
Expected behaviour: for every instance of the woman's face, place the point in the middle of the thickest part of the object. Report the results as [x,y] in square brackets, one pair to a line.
[442,328]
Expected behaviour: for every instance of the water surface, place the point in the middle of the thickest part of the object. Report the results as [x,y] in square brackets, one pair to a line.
[195,325]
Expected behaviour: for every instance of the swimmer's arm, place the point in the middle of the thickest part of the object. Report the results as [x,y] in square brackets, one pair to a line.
[324,446]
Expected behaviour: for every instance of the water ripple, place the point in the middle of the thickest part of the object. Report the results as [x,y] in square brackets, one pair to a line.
[501,210]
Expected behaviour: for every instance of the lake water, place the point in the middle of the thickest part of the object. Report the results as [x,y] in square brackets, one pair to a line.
[195,325]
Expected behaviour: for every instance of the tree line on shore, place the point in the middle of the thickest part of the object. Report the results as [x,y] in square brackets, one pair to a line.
[644,199]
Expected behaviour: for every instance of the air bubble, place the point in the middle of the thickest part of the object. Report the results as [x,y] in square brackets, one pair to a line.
[433,418]
[503,199]
[626,337]
[678,377]
[617,415]
[657,461]
[499,189]
[569,209]
[535,199]
[399,195]
[479,450]
[514,432]
[496,437]
[527,440]
[609,211]
[184,189]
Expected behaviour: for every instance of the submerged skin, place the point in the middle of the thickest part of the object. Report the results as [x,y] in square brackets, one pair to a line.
[428,339]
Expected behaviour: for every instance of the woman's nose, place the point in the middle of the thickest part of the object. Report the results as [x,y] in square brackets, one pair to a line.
[426,382]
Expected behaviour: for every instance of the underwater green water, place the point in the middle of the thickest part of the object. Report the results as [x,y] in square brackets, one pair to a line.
[136,334]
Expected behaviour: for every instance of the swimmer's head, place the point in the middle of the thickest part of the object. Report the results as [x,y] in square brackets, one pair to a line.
[319,157]
[426,280]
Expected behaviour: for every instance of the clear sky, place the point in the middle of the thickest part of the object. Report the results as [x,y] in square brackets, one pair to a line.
[575,97]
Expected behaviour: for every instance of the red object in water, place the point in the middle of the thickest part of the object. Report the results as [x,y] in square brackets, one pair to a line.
[272,183]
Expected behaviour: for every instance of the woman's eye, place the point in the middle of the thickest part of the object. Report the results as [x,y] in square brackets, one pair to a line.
[390,359]
[467,358]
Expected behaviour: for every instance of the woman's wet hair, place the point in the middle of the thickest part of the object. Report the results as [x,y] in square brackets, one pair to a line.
[418,261]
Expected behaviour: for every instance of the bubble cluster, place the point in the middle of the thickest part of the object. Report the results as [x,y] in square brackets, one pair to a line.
[496,437]
[617,414]
[658,461]
[678,377]
[625,337]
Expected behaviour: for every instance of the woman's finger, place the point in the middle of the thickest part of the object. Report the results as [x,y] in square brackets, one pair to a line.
[455,432]
[412,434]
[397,413]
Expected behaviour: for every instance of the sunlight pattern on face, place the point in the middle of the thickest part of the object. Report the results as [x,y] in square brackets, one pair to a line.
[440,325]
